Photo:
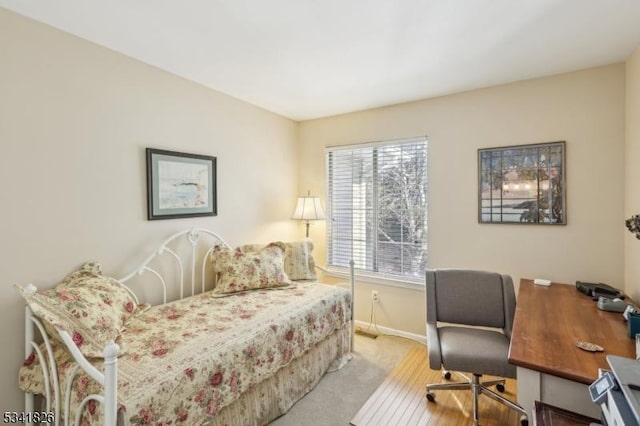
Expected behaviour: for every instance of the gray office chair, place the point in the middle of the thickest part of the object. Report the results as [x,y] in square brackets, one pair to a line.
[465,300]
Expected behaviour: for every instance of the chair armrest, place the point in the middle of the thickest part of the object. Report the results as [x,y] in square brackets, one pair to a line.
[433,345]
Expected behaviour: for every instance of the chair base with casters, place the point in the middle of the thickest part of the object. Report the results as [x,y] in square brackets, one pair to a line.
[477,388]
[446,374]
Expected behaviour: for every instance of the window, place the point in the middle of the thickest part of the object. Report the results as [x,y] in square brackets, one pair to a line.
[377,208]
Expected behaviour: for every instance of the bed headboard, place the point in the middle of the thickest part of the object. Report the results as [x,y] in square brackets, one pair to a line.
[184,257]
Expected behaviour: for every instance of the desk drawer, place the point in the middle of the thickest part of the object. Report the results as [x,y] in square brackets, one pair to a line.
[548,415]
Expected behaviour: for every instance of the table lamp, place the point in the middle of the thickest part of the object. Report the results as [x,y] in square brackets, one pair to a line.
[308,208]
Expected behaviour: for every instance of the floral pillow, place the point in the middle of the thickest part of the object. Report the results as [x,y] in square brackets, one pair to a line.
[298,261]
[91,307]
[240,271]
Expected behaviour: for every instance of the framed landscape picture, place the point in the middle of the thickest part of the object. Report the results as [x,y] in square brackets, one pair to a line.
[180,185]
[522,184]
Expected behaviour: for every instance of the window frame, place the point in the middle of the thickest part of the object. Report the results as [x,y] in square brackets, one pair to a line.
[371,276]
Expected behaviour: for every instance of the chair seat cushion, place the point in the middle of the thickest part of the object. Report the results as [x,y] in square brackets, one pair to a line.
[476,351]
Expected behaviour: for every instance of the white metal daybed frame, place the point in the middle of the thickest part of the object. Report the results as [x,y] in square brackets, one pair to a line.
[109,377]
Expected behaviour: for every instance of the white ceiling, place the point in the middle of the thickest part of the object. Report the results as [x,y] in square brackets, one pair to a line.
[306,59]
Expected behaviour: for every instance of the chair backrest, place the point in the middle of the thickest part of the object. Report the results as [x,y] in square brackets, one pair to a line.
[470,297]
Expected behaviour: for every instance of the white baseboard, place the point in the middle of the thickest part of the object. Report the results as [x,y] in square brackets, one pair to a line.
[391,331]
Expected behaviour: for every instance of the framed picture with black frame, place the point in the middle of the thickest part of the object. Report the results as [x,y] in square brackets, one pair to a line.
[180,185]
[523,184]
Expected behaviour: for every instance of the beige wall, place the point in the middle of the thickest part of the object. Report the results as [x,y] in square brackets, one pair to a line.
[632,173]
[75,119]
[585,109]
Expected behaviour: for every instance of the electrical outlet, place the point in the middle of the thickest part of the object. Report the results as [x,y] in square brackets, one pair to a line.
[374,296]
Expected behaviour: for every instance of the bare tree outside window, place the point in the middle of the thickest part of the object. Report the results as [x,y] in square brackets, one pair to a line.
[377,203]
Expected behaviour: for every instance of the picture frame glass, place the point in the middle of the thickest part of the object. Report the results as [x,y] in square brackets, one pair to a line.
[180,184]
[523,184]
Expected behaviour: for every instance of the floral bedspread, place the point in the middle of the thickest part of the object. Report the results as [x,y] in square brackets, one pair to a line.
[188,359]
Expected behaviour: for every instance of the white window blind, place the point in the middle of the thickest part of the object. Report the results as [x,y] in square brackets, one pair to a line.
[377,208]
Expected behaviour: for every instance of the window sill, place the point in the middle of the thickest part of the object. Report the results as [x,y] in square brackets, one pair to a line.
[413,285]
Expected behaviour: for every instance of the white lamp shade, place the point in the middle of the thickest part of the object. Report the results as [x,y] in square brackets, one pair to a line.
[308,208]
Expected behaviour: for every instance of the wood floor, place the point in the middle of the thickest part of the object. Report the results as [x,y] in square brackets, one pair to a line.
[400,400]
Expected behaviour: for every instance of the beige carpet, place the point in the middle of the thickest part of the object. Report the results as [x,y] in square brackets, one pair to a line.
[339,395]
[400,399]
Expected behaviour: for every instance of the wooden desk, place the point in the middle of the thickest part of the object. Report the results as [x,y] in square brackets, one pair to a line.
[551,368]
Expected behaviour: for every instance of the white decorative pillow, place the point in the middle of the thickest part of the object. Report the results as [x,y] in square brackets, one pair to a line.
[241,271]
[91,307]
[298,260]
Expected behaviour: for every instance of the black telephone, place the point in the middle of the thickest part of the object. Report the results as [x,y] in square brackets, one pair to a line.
[595,290]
